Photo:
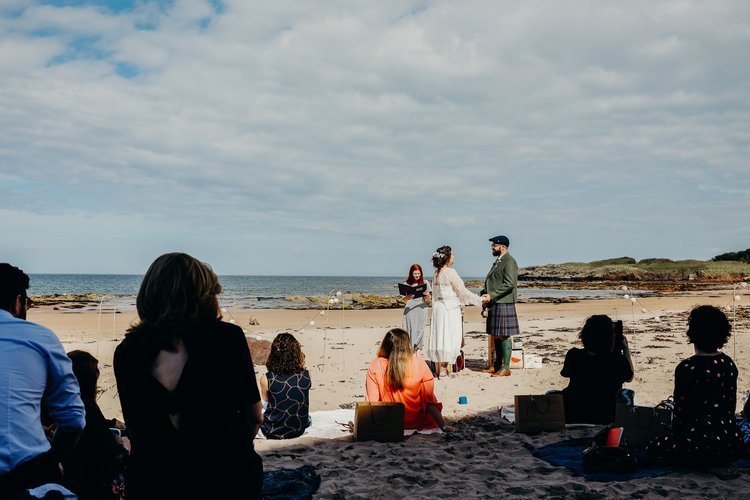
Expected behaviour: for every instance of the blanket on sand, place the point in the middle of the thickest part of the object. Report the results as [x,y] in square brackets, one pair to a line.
[288,484]
[569,454]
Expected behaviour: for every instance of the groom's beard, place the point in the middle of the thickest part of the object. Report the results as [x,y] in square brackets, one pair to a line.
[496,253]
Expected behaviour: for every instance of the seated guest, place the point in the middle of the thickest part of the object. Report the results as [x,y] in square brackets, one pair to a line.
[743,423]
[98,458]
[35,373]
[187,389]
[399,375]
[704,430]
[596,372]
[286,388]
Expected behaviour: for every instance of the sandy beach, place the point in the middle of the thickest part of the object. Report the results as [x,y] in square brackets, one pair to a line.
[484,457]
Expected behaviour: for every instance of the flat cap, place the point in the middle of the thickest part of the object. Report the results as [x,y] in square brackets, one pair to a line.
[501,240]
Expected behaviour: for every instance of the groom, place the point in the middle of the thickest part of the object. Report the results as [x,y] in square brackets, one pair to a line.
[501,285]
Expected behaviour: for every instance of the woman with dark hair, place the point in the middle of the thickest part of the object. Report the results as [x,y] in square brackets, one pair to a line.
[415,310]
[187,390]
[449,294]
[286,388]
[704,430]
[596,372]
[399,375]
[95,463]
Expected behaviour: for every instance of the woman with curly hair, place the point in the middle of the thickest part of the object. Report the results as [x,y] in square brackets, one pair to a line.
[286,388]
[399,375]
[704,430]
[187,390]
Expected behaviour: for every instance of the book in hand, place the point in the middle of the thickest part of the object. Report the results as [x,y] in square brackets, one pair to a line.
[416,290]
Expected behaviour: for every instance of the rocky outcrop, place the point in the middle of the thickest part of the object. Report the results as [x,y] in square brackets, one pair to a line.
[259,350]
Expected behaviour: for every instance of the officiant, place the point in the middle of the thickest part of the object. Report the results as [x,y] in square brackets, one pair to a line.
[415,308]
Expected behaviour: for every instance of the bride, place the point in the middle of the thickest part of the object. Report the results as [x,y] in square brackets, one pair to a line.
[448,294]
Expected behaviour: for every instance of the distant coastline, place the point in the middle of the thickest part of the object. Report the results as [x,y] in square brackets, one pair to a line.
[555,283]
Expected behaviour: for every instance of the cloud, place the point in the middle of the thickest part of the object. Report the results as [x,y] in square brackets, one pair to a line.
[361,126]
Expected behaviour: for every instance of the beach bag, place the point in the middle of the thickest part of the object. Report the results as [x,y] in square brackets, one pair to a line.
[543,412]
[460,363]
[609,452]
[643,423]
[379,421]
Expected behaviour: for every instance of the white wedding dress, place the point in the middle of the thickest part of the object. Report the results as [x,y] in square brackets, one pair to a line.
[448,294]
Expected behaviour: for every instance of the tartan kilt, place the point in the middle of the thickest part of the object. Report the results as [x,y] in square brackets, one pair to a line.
[502,320]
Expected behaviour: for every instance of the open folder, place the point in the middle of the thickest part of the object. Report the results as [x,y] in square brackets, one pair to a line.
[416,290]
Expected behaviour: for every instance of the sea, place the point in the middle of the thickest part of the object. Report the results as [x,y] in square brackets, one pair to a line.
[262,292]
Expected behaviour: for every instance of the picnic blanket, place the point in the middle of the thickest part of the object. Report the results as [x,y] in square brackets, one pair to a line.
[332,425]
[289,484]
[569,454]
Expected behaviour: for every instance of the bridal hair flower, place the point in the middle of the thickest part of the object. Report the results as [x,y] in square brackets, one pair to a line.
[438,255]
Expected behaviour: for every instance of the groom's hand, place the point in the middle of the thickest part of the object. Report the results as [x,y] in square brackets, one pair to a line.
[485,298]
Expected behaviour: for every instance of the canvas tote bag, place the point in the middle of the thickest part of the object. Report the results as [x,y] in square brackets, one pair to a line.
[642,423]
[379,421]
[543,412]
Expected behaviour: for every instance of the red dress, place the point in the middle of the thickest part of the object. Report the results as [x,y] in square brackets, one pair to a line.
[418,391]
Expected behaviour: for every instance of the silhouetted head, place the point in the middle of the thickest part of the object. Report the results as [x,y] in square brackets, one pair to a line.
[86,370]
[178,289]
[598,334]
[13,285]
[708,328]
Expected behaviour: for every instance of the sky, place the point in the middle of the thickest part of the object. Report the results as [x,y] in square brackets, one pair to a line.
[355,137]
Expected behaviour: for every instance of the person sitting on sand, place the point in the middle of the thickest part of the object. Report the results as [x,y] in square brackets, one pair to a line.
[35,373]
[596,372]
[704,430]
[286,388]
[187,390]
[399,375]
[743,423]
[98,459]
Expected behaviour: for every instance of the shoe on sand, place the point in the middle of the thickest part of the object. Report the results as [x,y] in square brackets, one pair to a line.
[488,370]
[501,373]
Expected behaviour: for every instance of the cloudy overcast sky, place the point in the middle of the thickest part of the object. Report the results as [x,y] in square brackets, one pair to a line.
[353,138]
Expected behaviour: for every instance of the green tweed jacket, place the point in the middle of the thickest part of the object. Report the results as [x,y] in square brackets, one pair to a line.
[502,281]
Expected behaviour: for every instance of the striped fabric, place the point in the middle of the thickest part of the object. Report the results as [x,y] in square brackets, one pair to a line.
[502,320]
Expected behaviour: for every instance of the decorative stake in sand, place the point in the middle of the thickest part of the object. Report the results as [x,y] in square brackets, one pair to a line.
[622,288]
[633,301]
[99,318]
[736,297]
[334,297]
[343,351]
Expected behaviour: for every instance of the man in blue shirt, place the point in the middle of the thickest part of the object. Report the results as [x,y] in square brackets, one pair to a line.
[34,371]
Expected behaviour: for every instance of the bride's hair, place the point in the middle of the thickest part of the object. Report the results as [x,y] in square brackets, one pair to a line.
[441,257]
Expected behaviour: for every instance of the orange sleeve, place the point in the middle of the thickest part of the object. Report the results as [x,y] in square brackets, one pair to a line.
[372,388]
